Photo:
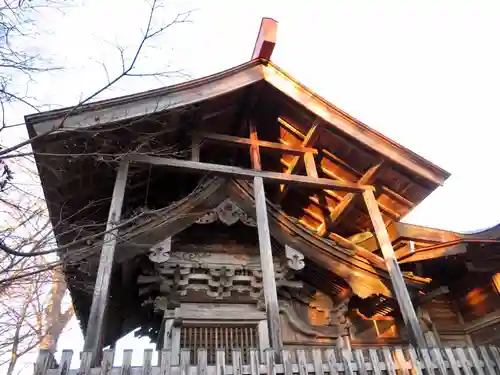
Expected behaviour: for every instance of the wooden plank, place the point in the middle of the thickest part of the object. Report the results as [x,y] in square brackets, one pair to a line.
[439,360]
[237,362]
[401,360]
[185,362]
[254,362]
[146,366]
[86,364]
[42,362]
[202,362]
[287,362]
[360,361]
[213,311]
[375,361]
[195,147]
[415,363]
[65,363]
[496,356]
[488,363]
[429,365]
[165,362]
[464,363]
[317,361]
[248,174]
[331,360]
[266,261]
[107,362]
[103,279]
[126,362]
[246,142]
[310,164]
[452,361]
[398,284]
[347,203]
[220,362]
[346,356]
[475,361]
[389,363]
[302,362]
[294,166]
[271,362]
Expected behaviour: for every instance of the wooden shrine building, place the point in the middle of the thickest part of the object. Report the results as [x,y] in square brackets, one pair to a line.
[243,210]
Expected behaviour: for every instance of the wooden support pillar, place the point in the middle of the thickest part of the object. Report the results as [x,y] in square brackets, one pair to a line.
[266,254]
[398,284]
[93,338]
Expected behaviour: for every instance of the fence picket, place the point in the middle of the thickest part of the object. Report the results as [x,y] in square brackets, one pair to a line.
[401,361]
[127,362]
[332,361]
[438,358]
[429,365]
[375,361]
[496,356]
[65,363]
[416,364]
[221,362]
[317,361]
[270,361]
[488,363]
[463,361]
[254,361]
[237,362]
[302,361]
[360,361]
[389,363]
[42,362]
[86,363]
[146,367]
[185,361]
[452,360]
[165,362]
[202,361]
[107,362]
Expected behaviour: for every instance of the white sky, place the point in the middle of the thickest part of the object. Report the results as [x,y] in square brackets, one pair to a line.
[424,73]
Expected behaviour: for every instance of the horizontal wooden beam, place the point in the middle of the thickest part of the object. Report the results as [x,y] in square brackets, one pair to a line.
[246,142]
[249,174]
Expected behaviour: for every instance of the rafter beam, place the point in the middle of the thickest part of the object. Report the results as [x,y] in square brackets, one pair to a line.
[249,174]
[295,167]
[347,203]
[246,142]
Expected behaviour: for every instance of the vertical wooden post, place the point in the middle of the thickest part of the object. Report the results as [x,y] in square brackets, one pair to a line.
[103,280]
[398,283]
[266,254]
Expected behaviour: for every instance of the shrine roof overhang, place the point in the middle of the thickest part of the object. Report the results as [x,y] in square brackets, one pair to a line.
[348,150]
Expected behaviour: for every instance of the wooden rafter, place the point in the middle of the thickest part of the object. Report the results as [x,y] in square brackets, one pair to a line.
[347,203]
[249,174]
[295,167]
[246,142]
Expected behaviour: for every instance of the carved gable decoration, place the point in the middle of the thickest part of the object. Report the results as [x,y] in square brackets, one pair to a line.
[227,212]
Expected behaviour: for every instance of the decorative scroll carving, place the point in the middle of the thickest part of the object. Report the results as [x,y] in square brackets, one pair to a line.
[218,275]
[295,258]
[227,212]
[160,252]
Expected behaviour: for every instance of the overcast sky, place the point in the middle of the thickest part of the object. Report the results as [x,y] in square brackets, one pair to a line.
[424,73]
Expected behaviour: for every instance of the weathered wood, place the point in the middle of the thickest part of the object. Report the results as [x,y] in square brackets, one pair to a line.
[429,365]
[246,142]
[398,284]
[271,361]
[42,362]
[389,363]
[332,361]
[165,362]
[346,356]
[237,362]
[248,174]
[360,361]
[126,362]
[146,367]
[287,362]
[401,360]
[220,364]
[375,361]
[266,39]
[488,363]
[266,259]
[65,363]
[464,363]
[107,362]
[213,311]
[452,361]
[496,356]
[195,147]
[254,362]
[185,362]
[103,280]
[416,365]
[317,361]
[302,361]
[347,203]
[86,363]
[475,361]
[439,360]
[202,362]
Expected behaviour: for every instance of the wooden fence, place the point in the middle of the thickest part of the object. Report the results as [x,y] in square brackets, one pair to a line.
[467,360]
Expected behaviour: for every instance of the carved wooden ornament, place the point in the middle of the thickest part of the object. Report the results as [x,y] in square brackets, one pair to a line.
[294,258]
[227,212]
[160,252]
